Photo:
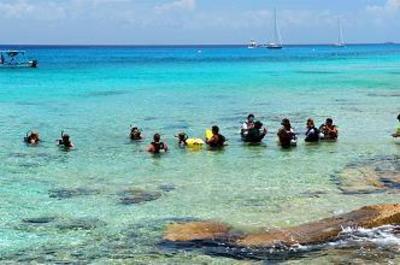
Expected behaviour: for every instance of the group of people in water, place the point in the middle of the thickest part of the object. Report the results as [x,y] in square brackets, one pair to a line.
[252,131]
[216,140]
[33,138]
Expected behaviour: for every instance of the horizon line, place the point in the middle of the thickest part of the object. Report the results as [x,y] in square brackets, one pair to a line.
[189,45]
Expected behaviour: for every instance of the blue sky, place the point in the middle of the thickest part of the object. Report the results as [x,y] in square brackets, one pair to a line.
[195,21]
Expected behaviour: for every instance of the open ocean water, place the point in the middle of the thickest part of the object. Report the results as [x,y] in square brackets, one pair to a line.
[59,206]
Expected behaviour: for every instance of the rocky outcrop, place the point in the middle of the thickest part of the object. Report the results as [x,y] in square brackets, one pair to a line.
[326,229]
[35,223]
[381,174]
[196,231]
[66,193]
[313,233]
[137,196]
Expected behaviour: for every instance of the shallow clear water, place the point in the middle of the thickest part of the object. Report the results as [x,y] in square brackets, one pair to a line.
[96,93]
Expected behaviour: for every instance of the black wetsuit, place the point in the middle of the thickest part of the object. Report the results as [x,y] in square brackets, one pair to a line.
[312,135]
[253,136]
[67,144]
[219,143]
[158,147]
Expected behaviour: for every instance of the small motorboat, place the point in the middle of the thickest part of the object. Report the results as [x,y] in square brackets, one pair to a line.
[252,44]
[16,58]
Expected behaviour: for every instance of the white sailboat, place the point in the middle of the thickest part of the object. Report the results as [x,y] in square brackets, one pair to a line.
[340,40]
[276,43]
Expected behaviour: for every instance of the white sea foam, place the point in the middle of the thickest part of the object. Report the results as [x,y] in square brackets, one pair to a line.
[384,236]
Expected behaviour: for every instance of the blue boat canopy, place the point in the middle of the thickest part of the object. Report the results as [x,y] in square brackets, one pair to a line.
[12,53]
[15,58]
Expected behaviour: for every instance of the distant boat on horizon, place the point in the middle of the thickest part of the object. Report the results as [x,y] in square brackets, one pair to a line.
[252,44]
[276,42]
[340,41]
[16,58]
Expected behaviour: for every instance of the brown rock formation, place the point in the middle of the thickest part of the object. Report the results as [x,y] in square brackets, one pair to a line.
[196,231]
[371,176]
[308,234]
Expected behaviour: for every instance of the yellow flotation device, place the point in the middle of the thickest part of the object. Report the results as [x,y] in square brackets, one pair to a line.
[193,142]
[209,134]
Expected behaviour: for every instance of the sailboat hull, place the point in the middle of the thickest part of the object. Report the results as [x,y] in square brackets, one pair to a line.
[274,47]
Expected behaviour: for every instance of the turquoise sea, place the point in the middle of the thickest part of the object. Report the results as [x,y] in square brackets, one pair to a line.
[65,207]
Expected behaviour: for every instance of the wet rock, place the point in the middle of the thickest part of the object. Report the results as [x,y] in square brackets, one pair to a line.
[376,175]
[69,193]
[107,93]
[135,240]
[325,230]
[38,220]
[196,231]
[80,224]
[30,165]
[151,118]
[60,223]
[167,187]
[314,194]
[391,183]
[354,255]
[390,95]
[362,180]
[136,196]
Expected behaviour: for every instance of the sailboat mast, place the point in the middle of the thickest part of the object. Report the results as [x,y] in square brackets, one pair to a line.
[277,37]
[276,43]
[340,29]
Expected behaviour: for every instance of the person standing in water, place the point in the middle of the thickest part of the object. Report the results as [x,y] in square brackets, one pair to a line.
[157,146]
[248,124]
[286,134]
[256,134]
[65,141]
[182,138]
[32,138]
[217,140]
[135,134]
[329,131]
[312,133]
[397,132]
